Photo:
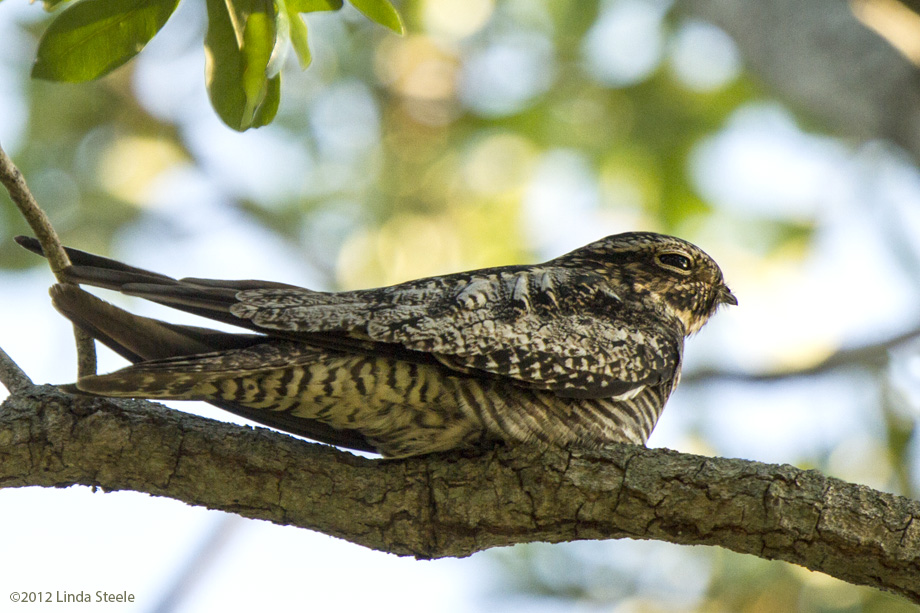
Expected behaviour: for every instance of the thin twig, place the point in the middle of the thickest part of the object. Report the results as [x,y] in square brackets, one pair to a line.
[19,192]
[875,355]
[86,353]
[12,377]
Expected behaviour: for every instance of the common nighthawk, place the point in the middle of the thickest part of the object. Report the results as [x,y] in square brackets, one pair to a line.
[579,351]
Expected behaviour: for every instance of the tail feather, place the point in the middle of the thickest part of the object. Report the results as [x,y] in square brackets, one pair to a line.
[114,279]
[86,260]
[211,298]
[139,338]
[211,302]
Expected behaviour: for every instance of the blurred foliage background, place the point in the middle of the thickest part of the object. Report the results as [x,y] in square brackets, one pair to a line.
[784,141]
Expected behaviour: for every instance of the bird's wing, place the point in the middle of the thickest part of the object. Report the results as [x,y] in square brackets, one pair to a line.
[527,324]
[544,328]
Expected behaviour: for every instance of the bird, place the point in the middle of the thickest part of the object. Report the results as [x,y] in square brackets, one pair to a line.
[580,351]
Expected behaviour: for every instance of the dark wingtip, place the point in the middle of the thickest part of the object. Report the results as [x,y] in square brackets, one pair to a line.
[31,243]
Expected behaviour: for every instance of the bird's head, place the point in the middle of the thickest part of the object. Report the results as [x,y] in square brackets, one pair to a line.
[666,272]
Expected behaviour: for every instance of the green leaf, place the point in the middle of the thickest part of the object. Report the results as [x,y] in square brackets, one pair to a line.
[298,32]
[94,37]
[238,47]
[269,107]
[380,11]
[312,6]
[258,42]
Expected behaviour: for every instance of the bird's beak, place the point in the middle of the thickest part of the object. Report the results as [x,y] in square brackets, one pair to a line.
[726,296]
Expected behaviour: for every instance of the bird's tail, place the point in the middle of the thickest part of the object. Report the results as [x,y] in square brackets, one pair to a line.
[96,270]
[138,338]
[211,298]
[179,361]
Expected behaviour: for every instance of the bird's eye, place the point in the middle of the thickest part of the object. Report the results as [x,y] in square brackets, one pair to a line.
[675,260]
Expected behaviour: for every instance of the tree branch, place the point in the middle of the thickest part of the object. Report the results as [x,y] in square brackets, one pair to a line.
[12,377]
[819,58]
[15,184]
[453,506]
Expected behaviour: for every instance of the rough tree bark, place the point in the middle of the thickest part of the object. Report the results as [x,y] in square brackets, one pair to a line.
[451,505]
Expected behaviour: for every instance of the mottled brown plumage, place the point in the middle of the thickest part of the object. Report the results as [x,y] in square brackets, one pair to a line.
[579,351]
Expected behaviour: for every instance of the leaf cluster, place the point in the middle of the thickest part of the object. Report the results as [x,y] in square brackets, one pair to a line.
[245,44]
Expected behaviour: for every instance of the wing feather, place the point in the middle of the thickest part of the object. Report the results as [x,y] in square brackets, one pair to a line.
[514,324]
